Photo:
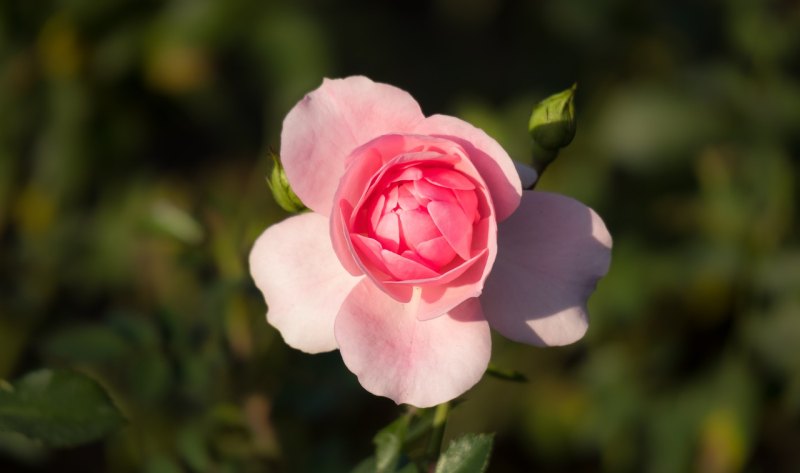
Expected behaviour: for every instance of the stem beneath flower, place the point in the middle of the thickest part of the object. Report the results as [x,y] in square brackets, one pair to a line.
[437,430]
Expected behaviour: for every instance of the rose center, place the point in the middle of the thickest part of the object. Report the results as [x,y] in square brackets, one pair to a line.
[423,215]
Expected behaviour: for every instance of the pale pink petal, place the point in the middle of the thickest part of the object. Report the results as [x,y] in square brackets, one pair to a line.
[551,253]
[408,360]
[329,123]
[492,161]
[302,281]
[456,228]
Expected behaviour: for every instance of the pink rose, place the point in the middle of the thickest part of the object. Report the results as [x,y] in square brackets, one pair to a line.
[402,265]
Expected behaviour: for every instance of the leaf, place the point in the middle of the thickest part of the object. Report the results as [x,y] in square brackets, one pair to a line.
[389,444]
[506,374]
[89,343]
[468,454]
[60,408]
[366,466]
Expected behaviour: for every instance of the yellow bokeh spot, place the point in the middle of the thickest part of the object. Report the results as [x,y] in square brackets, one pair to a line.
[177,68]
[58,47]
[34,211]
[722,443]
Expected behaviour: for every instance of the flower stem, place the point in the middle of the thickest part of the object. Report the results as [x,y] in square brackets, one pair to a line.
[542,158]
[437,430]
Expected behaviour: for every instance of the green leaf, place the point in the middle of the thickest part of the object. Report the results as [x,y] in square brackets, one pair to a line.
[60,408]
[506,374]
[88,343]
[389,445]
[409,468]
[468,454]
[366,466]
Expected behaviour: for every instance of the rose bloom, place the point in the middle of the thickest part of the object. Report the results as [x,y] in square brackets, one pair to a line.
[420,239]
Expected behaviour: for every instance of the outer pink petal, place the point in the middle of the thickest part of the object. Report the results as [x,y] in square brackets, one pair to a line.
[407,360]
[329,123]
[551,253]
[302,280]
[492,161]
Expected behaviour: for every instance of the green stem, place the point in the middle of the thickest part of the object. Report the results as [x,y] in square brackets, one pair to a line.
[542,157]
[437,430]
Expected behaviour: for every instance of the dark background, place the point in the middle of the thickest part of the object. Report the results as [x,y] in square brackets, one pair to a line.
[133,153]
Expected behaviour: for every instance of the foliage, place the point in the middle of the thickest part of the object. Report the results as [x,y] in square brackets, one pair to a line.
[134,146]
[59,408]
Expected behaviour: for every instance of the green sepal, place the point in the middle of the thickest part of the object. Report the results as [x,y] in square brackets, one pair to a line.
[281,190]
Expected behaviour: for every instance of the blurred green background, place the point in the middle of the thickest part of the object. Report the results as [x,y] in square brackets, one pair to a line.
[133,156]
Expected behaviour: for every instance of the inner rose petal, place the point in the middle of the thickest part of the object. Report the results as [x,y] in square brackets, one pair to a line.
[469,204]
[405,197]
[448,178]
[431,192]
[404,269]
[388,232]
[416,226]
[437,252]
[454,225]
[371,252]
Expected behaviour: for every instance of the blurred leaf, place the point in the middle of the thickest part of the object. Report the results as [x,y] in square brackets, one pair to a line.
[89,343]
[389,445]
[644,126]
[60,408]
[162,464]
[176,222]
[21,448]
[506,374]
[468,454]
[193,449]
[366,466]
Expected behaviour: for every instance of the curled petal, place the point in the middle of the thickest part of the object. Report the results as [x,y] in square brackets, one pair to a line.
[492,161]
[551,253]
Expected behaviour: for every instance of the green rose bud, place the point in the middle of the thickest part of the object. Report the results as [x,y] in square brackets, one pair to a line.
[552,127]
[552,124]
[281,190]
